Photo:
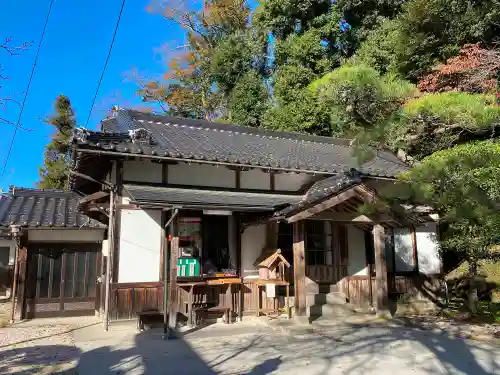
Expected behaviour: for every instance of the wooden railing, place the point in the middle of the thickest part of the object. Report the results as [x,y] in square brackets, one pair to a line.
[321,274]
[129,298]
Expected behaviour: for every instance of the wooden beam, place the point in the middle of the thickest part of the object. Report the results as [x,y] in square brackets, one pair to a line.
[172,285]
[22,278]
[117,221]
[163,244]
[366,193]
[93,197]
[381,292]
[333,201]
[414,248]
[272,234]
[237,178]
[335,245]
[299,268]
[164,173]
[352,217]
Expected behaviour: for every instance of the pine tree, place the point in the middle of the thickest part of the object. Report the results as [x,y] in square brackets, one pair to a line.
[54,172]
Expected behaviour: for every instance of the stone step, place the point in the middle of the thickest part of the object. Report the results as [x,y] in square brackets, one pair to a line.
[325,298]
[313,288]
[329,310]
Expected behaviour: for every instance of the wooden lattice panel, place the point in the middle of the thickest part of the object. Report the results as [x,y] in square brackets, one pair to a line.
[72,306]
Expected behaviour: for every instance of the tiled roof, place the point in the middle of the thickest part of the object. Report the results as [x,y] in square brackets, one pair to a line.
[147,134]
[209,198]
[38,208]
[322,190]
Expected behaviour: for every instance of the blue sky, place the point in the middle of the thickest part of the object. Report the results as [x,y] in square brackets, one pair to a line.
[70,62]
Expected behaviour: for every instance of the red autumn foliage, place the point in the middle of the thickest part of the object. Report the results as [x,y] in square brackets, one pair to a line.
[473,70]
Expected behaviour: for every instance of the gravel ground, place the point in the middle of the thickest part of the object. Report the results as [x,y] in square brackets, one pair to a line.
[45,349]
[244,348]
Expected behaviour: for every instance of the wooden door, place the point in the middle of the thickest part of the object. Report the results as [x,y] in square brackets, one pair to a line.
[62,281]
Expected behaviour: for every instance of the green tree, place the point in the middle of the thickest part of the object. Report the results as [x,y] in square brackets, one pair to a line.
[248,100]
[54,172]
[427,32]
[461,184]
[365,15]
[434,122]
[190,87]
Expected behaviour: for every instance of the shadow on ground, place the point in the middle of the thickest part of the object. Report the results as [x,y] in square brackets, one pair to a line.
[349,349]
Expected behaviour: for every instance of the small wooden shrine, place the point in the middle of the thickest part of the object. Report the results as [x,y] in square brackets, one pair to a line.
[272,265]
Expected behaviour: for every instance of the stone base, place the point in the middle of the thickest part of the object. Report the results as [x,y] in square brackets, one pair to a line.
[301,319]
[5,313]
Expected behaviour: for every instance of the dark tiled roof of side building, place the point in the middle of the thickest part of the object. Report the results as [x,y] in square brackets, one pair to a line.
[180,138]
[43,208]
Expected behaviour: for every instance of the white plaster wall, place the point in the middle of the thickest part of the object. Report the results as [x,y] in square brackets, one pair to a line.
[255,179]
[11,244]
[356,252]
[291,181]
[65,235]
[429,259]
[253,241]
[140,246]
[142,171]
[201,175]
[403,249]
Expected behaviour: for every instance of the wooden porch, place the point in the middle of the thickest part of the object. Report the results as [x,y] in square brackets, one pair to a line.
[127,299]
[374,287]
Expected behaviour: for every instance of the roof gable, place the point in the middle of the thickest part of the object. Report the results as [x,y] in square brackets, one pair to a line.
[197,140]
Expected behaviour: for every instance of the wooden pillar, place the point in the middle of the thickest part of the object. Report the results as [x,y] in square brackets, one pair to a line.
[299,268]
[172,285]
[110,262]
[381,292]
[115,256]
[22,278]
[272,234]
[336,253]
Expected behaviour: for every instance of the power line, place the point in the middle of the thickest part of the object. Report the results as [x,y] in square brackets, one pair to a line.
[105,63]
[27,90]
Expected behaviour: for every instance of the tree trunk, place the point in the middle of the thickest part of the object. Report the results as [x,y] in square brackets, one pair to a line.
[472,297]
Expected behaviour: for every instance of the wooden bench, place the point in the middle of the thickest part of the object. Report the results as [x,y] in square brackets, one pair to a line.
[147,316]
[200,309]
[201,312]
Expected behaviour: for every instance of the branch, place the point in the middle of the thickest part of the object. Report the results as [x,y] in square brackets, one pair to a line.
[14,50]
[7,100]
[7,122]
[2,76]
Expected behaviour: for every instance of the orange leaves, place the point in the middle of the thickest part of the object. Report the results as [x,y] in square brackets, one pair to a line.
[471,71]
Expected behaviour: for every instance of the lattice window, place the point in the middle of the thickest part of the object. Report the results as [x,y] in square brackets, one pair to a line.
[318,249]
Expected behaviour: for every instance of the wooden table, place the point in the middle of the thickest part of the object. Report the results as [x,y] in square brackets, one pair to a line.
[261,283]
[213,282]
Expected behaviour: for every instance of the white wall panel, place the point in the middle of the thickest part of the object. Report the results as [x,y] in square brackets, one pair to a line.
[201,175]
[403,249]
[142,171]
[253,240]
[429,259]
[356,251]
[11,244]
[291,181]
[255,179]
[140,246]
